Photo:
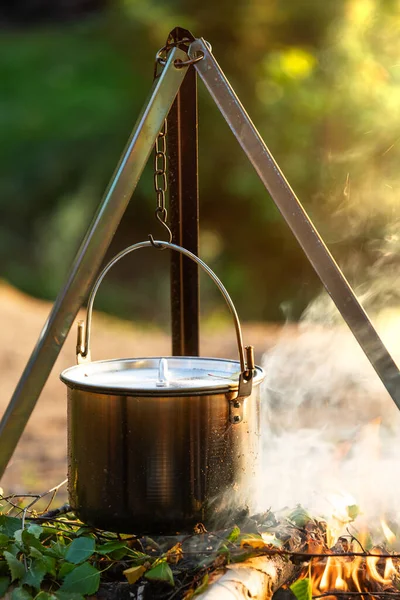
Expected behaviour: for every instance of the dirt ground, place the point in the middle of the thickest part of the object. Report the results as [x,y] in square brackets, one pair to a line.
[39,461]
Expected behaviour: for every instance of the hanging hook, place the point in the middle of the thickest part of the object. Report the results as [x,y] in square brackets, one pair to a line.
[161,216]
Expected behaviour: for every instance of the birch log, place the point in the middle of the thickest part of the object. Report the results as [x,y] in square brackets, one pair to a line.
[257,578]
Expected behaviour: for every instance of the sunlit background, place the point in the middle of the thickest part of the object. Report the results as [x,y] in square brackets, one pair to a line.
[320,80]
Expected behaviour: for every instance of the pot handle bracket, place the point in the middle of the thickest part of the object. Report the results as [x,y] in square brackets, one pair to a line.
[244,391]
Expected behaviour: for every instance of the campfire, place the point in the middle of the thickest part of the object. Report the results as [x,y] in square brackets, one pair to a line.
[340,542]
[291,552]
[349,569]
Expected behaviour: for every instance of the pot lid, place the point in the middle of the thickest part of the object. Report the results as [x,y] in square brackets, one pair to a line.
[158,376]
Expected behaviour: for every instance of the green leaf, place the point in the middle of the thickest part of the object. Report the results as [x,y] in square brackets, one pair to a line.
[65,568]
[49,532]
[18,535]
[138,556]
[84,579]
[242,556]
[204,584]
[271,540]
[14,549]
[16,567]
[302,589]
[353,511]
[35,530]
[50,564]
[28,539]
[109,547]
[161,572]
[21,594]
[45,596]
[234,534]
[57,549]
[299,516]
[9,525]
[120,554]
[83,530]
[4,540]
[223,549]
[35,553]
[80,550]
[35,574]
[4,585]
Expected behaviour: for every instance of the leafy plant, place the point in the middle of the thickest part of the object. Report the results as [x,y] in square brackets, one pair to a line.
[59,560]
[64,559]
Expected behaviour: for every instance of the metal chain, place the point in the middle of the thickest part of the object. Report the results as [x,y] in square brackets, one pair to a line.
[160,175]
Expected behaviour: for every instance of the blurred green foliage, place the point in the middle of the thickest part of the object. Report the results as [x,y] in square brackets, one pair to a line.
[321,82]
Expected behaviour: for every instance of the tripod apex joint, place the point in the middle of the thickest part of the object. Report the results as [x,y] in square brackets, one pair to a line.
[181,38]
[113,205]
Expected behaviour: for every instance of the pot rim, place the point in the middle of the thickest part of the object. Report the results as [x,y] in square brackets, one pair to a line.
[74,377]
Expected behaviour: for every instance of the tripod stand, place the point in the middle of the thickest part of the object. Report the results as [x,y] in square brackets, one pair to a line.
[184,58]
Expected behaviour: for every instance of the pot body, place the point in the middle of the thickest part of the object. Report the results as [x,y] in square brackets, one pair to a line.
[161,464]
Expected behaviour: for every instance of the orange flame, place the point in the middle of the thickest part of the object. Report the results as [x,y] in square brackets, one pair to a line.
[334,575]
[353,574]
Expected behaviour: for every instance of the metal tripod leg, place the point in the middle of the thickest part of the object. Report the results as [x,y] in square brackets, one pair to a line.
[90,256]
[297,219]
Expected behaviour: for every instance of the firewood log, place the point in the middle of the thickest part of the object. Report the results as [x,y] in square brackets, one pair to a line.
[257,578]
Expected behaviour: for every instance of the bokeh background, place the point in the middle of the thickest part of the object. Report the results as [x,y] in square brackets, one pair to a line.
[321,81]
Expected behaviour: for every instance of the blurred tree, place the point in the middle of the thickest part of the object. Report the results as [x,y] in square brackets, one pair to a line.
[321,82]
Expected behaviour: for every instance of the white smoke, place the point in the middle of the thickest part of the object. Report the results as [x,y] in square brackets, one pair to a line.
[330,430]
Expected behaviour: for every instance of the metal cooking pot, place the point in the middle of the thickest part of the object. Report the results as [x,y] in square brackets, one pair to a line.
[158,444]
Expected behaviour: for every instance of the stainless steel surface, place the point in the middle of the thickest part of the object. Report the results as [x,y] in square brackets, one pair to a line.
[176,375]
[161,464]
[90,255]
[297,219]
[85,354]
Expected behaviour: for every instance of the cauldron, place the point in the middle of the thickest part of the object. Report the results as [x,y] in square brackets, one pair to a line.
[159,444]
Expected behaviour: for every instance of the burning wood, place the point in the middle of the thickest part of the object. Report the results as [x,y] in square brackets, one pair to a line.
[257,578]
[375,573]
[345,570]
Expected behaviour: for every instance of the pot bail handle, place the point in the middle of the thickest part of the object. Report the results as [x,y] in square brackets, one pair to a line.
[246,355]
